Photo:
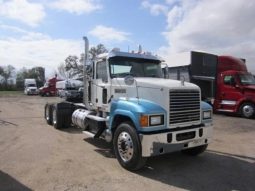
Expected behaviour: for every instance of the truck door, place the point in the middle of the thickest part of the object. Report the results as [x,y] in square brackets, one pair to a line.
[228,93]
[100,84]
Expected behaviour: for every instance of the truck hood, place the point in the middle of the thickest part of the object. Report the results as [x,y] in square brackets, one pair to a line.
[249,87]
[163,83]
[43,87]
[32,88]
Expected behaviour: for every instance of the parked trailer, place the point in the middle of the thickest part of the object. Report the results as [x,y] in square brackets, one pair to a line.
[126,102]
[224,80]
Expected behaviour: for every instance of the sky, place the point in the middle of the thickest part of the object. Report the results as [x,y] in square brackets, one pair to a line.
[44,32]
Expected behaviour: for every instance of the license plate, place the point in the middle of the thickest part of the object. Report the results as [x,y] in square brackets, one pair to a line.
[196,142]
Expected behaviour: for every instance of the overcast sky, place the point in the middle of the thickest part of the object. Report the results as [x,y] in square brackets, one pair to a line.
[44,32]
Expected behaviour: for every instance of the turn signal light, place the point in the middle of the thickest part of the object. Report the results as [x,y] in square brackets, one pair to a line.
[144,122]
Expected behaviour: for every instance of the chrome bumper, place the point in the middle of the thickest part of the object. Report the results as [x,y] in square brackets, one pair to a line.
[156,144]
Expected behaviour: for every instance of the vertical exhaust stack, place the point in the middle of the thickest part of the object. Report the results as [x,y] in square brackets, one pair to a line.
[85,75]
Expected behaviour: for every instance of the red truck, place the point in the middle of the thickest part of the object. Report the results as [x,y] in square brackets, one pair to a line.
[49,88]
[224,80]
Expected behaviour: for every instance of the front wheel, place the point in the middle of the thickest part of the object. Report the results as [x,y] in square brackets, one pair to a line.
[195,150]
[247,110]
[127,147]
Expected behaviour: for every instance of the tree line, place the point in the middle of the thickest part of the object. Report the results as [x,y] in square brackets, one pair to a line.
[72,67]
[11,79]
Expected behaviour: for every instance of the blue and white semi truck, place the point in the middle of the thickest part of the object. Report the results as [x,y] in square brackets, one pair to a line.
[128,103]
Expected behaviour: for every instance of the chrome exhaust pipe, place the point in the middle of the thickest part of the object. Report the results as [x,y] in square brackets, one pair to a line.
[85,75]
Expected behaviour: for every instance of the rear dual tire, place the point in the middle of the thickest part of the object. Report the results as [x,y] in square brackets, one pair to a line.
[58,115]
[48,113]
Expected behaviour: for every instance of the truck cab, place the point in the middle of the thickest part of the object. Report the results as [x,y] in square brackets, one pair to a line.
[224,80]
[30,87]
[69,89]
[236,87]
[49,88]
[128,103]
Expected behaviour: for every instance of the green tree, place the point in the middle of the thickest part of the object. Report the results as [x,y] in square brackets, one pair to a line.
[7,74]
[94,51]
[21,75]
[73,65]
[37,73]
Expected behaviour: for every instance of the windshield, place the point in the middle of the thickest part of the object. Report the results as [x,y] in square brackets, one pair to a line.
[46,84]
[121,67]
[247,79]
[31,85]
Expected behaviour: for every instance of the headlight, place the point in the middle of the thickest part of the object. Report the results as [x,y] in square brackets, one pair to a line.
[156,120]
[207,114]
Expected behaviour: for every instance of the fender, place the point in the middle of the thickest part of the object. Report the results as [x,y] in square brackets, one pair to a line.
[243,100]
[133,108]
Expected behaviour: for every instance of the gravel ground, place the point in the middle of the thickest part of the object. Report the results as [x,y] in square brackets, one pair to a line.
[35,156]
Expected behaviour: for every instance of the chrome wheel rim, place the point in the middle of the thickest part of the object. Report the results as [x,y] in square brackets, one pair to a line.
[125,146]
[248,111]
[47,113]
[54,116]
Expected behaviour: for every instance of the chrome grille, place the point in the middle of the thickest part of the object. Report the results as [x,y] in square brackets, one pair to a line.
[184,106]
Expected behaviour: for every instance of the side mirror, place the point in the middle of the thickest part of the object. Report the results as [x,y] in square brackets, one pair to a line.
[88,69]
[165,71]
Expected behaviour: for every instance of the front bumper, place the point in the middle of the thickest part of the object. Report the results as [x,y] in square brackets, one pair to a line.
[32,93]
[161,143]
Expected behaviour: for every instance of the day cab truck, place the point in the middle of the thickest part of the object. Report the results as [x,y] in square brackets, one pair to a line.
[30,87]
[224,80]
[128,103]
[70,89]
[49,88]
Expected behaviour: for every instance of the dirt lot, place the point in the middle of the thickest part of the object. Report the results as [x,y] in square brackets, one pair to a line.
[35,156]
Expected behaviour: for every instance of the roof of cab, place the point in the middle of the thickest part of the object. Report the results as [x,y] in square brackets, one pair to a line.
[128,54]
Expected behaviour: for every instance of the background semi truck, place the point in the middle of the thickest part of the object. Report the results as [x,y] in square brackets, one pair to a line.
[128,103]
[224,80]
[70,89]
[30,87]
[49,88]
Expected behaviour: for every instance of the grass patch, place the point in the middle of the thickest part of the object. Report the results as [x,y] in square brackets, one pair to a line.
[10,93]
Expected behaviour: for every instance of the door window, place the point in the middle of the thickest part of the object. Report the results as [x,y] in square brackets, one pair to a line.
[101,70]
[229,80]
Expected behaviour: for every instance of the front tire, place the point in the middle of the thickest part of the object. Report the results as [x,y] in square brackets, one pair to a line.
[127,147]
[247,110]
[195,150]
